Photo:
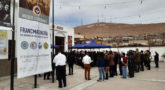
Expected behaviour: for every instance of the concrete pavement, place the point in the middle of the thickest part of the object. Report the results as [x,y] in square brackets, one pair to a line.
[153,79]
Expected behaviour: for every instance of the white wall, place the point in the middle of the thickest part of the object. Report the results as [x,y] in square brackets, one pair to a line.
[160,50]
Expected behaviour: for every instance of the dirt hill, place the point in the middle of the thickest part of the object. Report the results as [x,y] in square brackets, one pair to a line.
[112,29]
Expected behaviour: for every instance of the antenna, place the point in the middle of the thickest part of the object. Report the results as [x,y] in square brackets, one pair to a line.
[79,7]
[98,19]
[141,1]
[140,19]
[81,20]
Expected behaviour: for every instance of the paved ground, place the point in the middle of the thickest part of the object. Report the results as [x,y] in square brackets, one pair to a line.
[147,80]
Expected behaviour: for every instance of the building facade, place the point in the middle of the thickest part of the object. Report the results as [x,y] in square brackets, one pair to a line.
[63,36]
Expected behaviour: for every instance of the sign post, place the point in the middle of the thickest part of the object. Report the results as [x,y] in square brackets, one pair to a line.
[13,51]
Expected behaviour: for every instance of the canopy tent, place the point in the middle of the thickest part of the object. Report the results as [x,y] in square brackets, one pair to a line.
[84,43]
[92,44]
[55,46]
[76,46]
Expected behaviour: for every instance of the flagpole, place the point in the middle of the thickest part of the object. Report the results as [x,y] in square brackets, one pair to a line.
[12,51]
[53,68]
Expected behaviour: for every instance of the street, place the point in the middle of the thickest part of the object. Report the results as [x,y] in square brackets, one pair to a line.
[153,79]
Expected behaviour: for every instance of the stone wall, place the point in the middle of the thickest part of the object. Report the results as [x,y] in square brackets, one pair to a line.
[5,67]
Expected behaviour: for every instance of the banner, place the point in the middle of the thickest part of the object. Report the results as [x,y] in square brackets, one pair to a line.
[35,10]
[69,41]
[5,13]
[33,42]
[3,42]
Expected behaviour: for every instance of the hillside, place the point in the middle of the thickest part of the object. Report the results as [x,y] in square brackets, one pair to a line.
[113,30]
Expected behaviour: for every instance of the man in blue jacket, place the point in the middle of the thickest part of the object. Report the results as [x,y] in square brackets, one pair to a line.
[101,65]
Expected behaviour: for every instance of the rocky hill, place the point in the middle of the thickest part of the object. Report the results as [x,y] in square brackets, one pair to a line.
[113,30]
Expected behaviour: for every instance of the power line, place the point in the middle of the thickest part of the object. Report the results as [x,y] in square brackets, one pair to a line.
[93,5]
[152,19]
[106,5]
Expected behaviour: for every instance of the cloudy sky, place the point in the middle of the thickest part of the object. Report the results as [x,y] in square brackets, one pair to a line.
[80,12]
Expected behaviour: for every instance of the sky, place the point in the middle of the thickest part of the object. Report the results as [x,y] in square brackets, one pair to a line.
[81,12]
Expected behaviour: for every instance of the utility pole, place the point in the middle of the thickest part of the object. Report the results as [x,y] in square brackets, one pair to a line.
[163,38]
[53,68]
[149,43]
[12,51]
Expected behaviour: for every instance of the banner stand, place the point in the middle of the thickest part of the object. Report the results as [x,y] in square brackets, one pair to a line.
[33,39]
[35,81]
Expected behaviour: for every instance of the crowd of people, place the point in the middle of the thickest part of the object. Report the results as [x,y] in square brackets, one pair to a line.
[106,61]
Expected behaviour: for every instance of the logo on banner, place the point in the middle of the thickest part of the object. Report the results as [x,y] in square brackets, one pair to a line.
[39,45]
[37,10]
[33,45]
[46,46]
[24,45]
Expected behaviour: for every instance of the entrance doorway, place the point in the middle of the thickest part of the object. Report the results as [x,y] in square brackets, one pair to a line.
[60,42]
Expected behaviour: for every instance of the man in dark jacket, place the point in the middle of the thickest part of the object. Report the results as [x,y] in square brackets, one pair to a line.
[101,65]
[131,63]
[137,60]
[142,60]
[148,59]
[111,63]
[71,60]
[156,59]
[116,62]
